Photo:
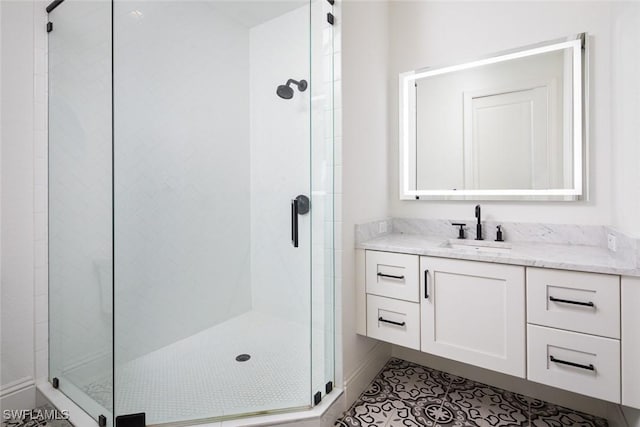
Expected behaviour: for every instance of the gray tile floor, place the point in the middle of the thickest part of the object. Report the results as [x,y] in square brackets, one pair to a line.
[405,395]
[37,418]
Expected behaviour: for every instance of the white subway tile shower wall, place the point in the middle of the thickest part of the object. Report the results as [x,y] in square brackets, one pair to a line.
[41,257]
[280,151]
[182,213]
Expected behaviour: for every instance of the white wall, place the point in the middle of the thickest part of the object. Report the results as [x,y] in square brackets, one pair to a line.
[182,183]
[364,150]
[625,100]
[17,196]
[23,293]
[626,127]
[280,165]
[433,33]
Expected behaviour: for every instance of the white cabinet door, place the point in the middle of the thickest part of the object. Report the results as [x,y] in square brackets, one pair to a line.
[631,341]
[474,312]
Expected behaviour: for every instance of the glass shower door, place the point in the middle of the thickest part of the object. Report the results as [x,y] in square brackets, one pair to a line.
[80,220]
[191,252]
[213,241]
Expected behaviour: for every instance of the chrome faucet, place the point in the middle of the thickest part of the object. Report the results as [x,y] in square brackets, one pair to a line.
[479,225]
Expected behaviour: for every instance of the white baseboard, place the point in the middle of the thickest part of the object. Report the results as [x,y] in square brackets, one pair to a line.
[19,394]
[371,364]
[77,416]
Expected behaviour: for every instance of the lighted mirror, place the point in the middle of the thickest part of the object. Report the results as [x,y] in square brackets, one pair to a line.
[509,126]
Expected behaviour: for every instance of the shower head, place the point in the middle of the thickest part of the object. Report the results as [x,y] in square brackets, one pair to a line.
[286,92]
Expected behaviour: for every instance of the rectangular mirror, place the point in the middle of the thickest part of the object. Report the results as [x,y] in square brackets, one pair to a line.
[505,127]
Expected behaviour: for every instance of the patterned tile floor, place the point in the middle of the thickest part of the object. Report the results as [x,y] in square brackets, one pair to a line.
[406,395]
[37,418]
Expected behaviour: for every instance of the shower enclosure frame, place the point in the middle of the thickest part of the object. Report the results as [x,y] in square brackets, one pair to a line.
[316,394]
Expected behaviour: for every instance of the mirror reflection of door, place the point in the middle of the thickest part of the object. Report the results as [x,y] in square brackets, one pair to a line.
[507,139]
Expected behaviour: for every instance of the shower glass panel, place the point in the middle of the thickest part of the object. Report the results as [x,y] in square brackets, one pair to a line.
[80,210]
[191,207]
[213,260]
[322,182]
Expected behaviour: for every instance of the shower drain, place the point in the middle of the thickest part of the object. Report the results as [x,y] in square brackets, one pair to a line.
[243,357]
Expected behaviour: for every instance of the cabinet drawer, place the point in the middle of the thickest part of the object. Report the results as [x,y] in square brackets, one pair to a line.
[581,302]
[576,362]
[392,275]
[393,321]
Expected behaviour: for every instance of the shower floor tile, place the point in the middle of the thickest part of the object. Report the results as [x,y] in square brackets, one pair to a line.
[199,377]
[405,394]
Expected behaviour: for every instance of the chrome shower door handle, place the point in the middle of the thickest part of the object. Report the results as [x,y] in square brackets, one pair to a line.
[299,206]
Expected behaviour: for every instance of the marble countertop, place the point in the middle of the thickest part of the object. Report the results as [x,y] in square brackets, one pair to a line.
[548,255]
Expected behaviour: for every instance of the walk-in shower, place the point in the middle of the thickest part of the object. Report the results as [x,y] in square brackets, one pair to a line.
[176,176]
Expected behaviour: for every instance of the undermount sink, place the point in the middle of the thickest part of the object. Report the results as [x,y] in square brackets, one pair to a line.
[477,246]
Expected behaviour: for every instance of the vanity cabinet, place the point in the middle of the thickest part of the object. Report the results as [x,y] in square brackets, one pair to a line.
[572,330]
[474,312]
